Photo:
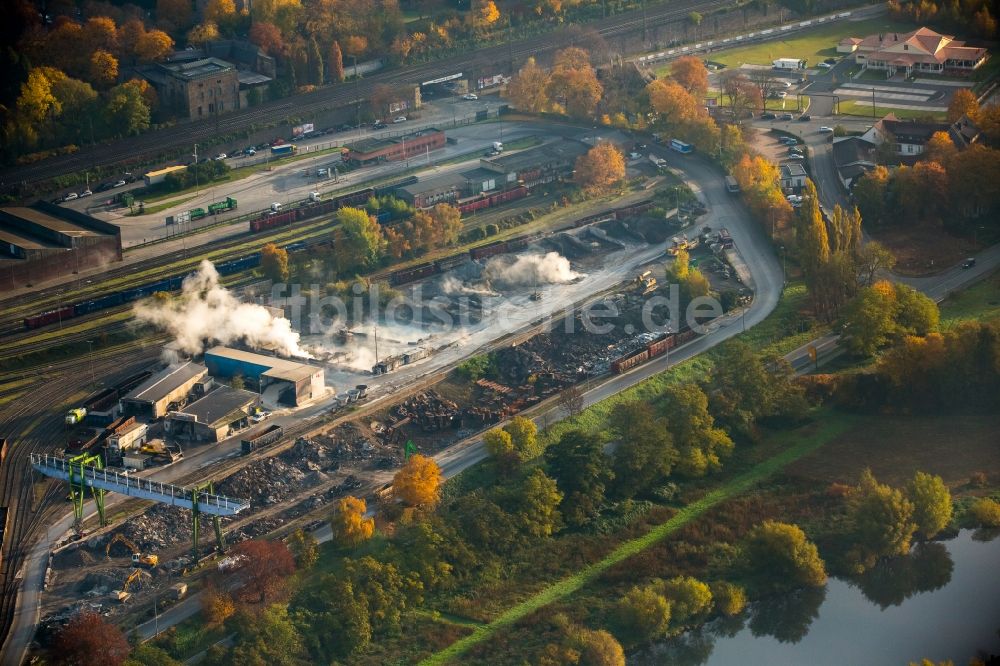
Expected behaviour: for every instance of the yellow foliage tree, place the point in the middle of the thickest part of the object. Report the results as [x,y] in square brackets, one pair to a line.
[274,262]
[103,68]
[484,14]
[219,11]
[419,482]
[600,168]
[203,32]
[528,89]
[216,606]
[350,527]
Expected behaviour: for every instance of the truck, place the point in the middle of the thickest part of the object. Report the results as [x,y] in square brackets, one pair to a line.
[283,149]
[222,206]
[268,436]
[658,162]
[497,147]
[788,63]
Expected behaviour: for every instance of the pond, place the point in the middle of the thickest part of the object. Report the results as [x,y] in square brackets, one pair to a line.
[941,602]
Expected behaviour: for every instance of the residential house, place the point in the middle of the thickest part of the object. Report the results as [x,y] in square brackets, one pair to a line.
[853,156]
[907,136]
[922,50]
[793,176]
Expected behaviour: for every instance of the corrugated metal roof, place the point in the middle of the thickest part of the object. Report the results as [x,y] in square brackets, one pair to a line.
[278,368]
[166,381]
[219,404]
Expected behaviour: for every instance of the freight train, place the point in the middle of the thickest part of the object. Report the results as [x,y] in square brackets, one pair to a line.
[657,347]
[491,200]
[130,295]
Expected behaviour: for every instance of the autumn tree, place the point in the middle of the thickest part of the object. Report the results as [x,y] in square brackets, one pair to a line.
[217,605]
[881,521]
[484,14]
[871,193]
[671,101]
[333,618]
[262,567]
[274,262]
[89,641]
[986,512]
[700,444]
[349,524]
[870,321]
[743,95]
[103,68]
[600,168]
[266,637]
[153,45]
[220,12]
[690,72]
[729,599]
[644,453]
[335,63]
[418,483]
[203,33]
[528,88]
[873,259]
[690,600]
[940,148]
[358,241]
[268,37]
[582,470]
[447,224]
[931,504]
[599,648]
[149,655]
[917,313]
[779,557]
[305,549]
[642,615]
[127,110]
[500,445]
[813,241]
[963,103]
[573,83]
[174,15]
[538,500]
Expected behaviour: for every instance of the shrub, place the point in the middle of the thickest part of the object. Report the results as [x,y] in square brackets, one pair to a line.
[986,512]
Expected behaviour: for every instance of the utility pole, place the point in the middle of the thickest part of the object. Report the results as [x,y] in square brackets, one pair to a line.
[196,167]
[873,103]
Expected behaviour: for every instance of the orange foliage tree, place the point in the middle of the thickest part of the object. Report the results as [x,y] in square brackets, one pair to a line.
[268,37]
[350,527]
[963,102]
[691,73]
[600,168]
[418,483]
[528,89]
[573,83]
[217,605]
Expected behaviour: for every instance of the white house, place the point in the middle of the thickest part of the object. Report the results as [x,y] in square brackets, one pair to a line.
[922,50]
[793,176]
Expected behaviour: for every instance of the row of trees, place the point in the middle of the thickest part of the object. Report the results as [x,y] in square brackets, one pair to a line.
[950,14]
[360,243]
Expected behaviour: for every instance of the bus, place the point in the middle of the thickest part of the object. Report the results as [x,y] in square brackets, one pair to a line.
[732,186]
[283,149]
[680,146]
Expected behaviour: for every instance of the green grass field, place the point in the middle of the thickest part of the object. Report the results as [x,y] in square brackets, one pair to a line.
[811,45]
[852,108]
[791,103]
[980,302]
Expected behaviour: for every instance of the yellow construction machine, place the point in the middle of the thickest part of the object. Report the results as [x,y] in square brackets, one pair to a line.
[150,560]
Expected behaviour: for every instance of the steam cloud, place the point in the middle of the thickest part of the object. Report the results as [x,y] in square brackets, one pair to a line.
[206,311]
[530,269]
[452,286]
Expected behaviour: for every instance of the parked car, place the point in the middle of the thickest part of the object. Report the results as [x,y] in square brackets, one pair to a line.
[221,156]
[470,96]
[399,119]
[795,151]
[796,156]
[85,193]
[786,116]
[634,156]
[70,196]
[825,130]
[789,140]
[831,61]
[824,65]
[120,183]
[379,125]
[344,128]
[251,152]
[767,116]
[805,117]
[104,187]
[969,263]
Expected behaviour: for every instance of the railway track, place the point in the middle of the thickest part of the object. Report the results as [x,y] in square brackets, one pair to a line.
[159,145]
[33,424]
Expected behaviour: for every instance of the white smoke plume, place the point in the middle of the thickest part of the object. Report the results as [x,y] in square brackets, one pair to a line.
[529,270]
[207,313]
[452,286]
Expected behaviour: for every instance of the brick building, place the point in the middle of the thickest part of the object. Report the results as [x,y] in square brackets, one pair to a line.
[198,89]
[368,151]
[43,241]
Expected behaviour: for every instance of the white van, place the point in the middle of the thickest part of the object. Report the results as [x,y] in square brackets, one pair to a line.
[275,207]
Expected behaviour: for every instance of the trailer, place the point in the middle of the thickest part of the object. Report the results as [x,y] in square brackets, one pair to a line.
[270,435]
[222,206]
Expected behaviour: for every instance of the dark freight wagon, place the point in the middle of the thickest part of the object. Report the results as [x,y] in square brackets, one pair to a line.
[272,434]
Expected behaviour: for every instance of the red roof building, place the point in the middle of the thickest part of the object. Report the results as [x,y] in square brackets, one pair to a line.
[922,50]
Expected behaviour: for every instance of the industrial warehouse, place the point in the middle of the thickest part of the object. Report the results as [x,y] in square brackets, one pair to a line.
[43,241]
[277,379]
[222,412]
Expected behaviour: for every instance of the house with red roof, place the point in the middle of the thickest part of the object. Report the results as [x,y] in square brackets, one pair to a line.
[920,51]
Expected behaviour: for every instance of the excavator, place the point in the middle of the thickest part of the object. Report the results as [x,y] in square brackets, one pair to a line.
[123,594]
[150,560]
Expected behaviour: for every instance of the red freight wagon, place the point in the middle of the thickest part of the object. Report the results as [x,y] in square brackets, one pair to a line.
[50,317]
[498,247]
[659,346]
[411,274]
[624,364]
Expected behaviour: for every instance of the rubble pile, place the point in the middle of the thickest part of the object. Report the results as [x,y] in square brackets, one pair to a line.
[255,529]
[427,410]
[347,441]
[157,528]
[263,482]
